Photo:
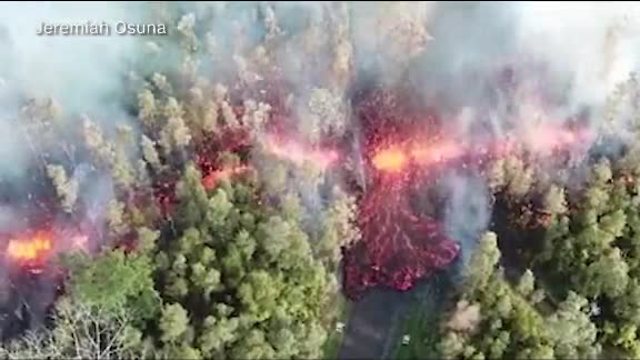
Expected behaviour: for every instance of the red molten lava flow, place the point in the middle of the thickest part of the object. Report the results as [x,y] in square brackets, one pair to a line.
[398,246]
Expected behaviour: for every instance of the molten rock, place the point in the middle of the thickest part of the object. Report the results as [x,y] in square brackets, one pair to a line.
[399,245]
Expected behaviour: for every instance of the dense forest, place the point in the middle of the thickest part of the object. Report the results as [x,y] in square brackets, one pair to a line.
[230,203]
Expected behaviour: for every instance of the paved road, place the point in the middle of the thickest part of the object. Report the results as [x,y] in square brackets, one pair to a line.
[375,321]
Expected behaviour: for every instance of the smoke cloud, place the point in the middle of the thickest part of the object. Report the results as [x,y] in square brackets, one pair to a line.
[594,45]
[468,211]
[81,73]
[461,57]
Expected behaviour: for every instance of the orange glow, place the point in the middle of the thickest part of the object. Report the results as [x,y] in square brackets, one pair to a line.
[212,179]
[391,159]
[395,158]
[34,248]
[439,152]
[299,153]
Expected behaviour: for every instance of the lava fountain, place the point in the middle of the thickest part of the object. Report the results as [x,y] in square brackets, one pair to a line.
[30,249]
[33,250]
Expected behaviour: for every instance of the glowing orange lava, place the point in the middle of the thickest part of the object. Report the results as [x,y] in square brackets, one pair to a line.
[32,249]
[299,153]
[396,158]
[212,179]
[443,151]
[391,159]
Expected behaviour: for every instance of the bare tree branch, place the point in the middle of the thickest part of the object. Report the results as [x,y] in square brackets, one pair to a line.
[94,332]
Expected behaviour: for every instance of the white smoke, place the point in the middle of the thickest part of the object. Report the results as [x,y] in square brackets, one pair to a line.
[468,211]
[81,72]
[491,59]
[594,44]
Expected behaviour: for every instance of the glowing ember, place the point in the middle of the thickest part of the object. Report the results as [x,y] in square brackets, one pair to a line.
[392,160]
[33,249]
[401,153]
